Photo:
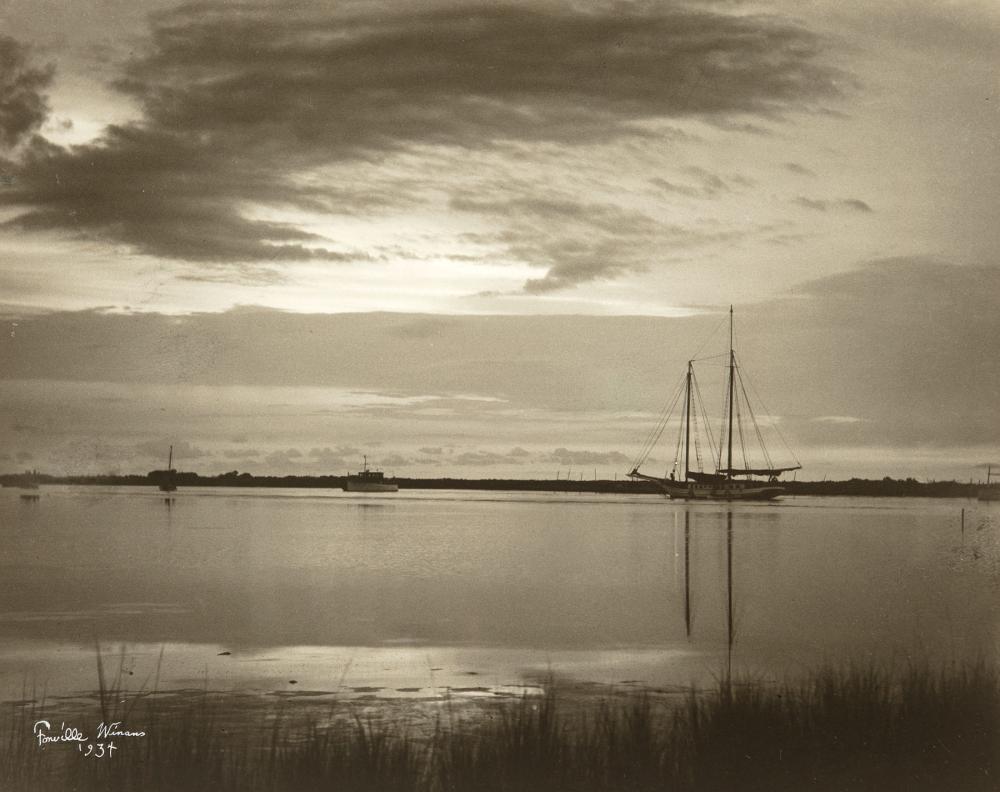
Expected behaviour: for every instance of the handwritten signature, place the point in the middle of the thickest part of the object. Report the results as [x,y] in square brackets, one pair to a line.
[103,746]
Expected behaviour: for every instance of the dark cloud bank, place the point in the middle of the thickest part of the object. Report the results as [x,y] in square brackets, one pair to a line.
[236,99]
[23,107]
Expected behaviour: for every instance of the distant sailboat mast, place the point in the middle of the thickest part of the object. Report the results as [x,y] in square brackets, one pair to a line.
[687,425]
[167,482]
[732,384]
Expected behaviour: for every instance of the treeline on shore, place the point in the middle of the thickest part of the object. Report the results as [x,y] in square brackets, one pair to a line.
[885,487]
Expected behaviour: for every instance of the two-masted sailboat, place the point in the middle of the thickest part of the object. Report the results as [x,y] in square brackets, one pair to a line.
[736,476]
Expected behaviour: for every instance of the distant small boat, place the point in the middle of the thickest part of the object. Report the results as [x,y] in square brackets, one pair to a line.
[29,481]
[369,481]
[167,483]
[688,481]
[990,492]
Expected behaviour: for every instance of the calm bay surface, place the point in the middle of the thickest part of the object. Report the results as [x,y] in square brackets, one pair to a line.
[480,592]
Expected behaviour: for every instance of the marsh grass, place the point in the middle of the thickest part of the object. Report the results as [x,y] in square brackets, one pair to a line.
[857,728]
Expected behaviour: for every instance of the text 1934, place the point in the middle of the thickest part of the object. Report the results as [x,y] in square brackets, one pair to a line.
[103,747]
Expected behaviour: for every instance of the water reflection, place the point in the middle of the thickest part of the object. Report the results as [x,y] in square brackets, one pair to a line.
[687,573]
[730,619]
[588,582]
[729,592]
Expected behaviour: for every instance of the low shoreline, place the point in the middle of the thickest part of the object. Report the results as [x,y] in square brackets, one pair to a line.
[885,487]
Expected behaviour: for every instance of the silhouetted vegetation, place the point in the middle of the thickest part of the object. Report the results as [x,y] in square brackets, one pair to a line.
[885,487]
[853,729]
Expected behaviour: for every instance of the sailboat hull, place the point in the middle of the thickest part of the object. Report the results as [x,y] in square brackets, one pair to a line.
[728,491]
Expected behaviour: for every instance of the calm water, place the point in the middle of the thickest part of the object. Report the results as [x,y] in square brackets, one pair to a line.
[416,591]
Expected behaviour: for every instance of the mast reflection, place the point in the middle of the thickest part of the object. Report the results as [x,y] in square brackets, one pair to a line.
[687,573]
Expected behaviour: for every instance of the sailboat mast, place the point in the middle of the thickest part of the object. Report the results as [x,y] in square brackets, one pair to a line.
[732,376]
[170,459]
[687,425]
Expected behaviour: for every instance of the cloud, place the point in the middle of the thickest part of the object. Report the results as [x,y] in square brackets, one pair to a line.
[706,184]
[160,449]
[800,169]
[574,259]
[480,458]
[823,205]
[907,345]
[565,456]
[283,459]
[855,205]
[241,453]
[241,103]
[338,458]
[580,241]
[164,194]
[23,106]
[574,241]
[455,74]
[904,344]
[971,29]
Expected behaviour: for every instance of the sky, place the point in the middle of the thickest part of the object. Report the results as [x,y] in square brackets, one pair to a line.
[482,239]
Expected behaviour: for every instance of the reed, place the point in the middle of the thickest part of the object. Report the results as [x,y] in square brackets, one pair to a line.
[854,728]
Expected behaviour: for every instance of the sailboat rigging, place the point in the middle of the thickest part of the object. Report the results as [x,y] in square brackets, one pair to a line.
[722,484]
